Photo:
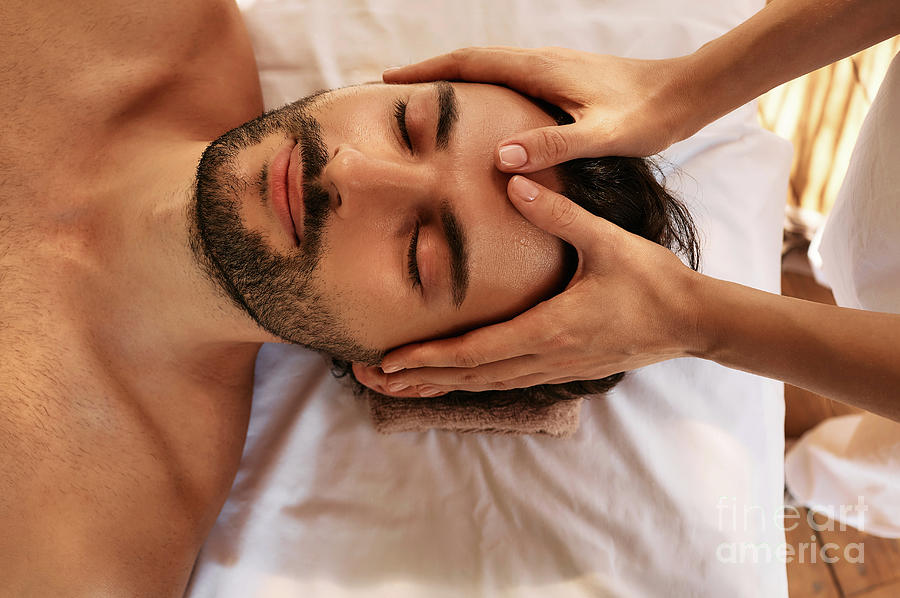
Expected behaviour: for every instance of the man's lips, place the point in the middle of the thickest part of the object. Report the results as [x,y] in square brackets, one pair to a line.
[295,190]
[285,191]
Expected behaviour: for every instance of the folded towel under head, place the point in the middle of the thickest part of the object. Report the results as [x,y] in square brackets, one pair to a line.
[471,414]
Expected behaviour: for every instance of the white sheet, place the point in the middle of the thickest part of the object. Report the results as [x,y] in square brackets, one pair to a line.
[647,499]
[857,254]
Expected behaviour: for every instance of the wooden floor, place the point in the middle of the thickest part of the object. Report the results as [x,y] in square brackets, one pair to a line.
[863,566]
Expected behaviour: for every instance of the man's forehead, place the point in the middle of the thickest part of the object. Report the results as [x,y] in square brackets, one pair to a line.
[382,84]
[323,97]
[506,96]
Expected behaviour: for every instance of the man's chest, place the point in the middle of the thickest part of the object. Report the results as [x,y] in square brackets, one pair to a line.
[92,497]
[94,479]
[66,397]
[75,427]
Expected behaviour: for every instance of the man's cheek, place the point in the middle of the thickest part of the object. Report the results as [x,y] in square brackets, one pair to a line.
[361,300]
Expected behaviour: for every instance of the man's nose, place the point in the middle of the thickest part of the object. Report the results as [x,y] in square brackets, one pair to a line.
[364,181]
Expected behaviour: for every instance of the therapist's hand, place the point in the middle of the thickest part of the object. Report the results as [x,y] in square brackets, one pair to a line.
[630,303]
[621,106]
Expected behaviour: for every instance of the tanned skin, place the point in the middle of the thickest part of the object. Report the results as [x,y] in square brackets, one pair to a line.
[115,457]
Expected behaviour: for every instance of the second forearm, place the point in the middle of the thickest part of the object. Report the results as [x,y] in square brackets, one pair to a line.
[785,40]
[844,354]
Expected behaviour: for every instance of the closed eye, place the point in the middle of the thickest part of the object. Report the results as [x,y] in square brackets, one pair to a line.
[412,262]
[400,117]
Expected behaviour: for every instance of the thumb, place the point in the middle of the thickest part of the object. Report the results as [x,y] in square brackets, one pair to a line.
[556,214]
[545,147]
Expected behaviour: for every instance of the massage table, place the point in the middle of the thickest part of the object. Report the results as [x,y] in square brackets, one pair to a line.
[673,483]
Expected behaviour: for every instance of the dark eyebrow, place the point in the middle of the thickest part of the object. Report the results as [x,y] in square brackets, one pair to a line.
[447,114]
[459,255]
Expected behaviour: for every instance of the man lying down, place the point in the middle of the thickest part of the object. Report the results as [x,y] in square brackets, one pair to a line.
[364,218]
[137,288]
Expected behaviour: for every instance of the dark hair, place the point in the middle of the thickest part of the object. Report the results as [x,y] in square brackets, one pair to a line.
[630,193]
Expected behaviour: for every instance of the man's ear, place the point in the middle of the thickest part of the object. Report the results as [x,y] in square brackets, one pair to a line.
[370,376]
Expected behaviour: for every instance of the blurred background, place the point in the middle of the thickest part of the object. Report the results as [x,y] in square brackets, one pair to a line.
[821,114]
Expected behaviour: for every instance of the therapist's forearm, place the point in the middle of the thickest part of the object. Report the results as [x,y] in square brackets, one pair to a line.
[786,39]
[849,355]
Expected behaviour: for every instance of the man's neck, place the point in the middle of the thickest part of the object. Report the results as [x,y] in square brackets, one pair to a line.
[152,306]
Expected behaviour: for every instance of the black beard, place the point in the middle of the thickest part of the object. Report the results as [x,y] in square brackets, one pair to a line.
[276,291]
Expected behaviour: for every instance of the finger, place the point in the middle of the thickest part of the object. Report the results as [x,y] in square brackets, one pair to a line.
[507,66]
[412,392]
[375,380]
[527,381]
[465,378]
[545,147]
[480,346]
[557,214]
[370,376]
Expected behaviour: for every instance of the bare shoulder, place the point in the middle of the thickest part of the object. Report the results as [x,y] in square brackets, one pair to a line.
[47,43]
[130,28]
[83,76]
[106,61]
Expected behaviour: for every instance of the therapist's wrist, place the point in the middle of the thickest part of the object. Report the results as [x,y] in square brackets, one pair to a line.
[685,331]
[706,310]
[730,317]
[684,99]
[705,88]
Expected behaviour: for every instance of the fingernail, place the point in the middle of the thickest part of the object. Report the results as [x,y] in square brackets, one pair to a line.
[391,68]
[390,369]
[524,188]
[397,386]
[513,155]
[428,391]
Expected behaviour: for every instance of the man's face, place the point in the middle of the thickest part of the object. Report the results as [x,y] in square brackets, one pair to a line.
[393,244]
